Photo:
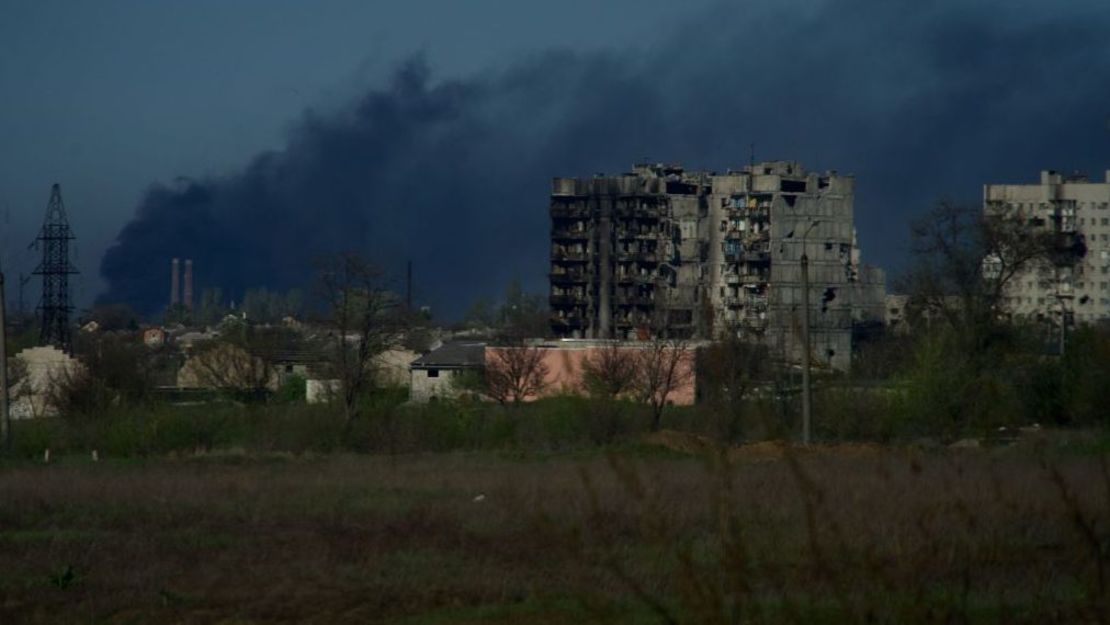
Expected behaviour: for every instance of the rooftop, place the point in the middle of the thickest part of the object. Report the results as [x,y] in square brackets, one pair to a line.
[454,354]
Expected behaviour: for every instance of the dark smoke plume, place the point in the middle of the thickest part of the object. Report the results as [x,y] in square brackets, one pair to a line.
[919,100]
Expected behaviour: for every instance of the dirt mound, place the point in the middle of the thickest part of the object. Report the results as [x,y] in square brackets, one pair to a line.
[764,450]
[689,443]
[684,442]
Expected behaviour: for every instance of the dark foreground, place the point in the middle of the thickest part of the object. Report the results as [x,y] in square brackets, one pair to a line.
[851,534]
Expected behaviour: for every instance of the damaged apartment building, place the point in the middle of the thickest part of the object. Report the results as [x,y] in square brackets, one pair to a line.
[1075,283]
[663,251]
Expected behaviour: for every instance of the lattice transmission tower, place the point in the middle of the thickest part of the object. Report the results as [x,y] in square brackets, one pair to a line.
[55,269]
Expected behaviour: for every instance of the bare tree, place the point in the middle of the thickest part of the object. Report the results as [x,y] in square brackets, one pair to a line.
[514,372]
[230,367]
[610,371]
[112,370]
[664,365]
[966,260]
[728,370]
[364,320]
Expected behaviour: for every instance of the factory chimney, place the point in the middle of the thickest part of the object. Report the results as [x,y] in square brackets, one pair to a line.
[175,290]
[187,295]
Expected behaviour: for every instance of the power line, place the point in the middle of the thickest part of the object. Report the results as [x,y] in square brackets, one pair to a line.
[55,269]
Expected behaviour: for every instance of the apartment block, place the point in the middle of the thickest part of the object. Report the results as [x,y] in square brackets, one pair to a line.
[661,250]
[1077,285]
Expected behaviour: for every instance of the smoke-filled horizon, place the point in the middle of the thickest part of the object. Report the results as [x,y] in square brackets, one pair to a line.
[919,101]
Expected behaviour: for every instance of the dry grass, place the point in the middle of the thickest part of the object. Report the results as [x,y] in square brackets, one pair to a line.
[887,536]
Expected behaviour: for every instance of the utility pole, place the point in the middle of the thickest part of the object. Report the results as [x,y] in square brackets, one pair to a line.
[5,415]
[55,270]
[807,409]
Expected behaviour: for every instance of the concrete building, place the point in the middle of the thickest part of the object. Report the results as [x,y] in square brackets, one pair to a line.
[435,374]
[43,368]
[701,254]
[1077,210]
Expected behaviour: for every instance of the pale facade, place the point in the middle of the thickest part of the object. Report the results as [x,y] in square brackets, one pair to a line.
[43,368]
[436,375]
[1078,212]
[564,359]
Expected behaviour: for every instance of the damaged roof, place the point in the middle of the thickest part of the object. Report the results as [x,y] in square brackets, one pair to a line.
[453,354]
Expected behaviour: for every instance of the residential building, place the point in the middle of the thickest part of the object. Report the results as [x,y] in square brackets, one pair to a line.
[437,374]
[1075,285]
[660,250]
[43,369]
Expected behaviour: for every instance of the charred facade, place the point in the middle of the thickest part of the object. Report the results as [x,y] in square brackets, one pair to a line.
[661,250]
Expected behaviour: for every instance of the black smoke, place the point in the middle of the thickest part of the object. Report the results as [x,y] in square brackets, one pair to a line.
[919,100]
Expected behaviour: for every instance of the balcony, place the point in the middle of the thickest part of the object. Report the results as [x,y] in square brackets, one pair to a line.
[637,235]
[638,257]
[748,256]
[569,211]
[746,279]
[569,321]
[565,301]
[569,257]
[570,234]
[568,277]
[635,278]
[630,323]
[637,300]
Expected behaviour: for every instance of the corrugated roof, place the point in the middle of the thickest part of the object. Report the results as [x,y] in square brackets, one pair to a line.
[454,354]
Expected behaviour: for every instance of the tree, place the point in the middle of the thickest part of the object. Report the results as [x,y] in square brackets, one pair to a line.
[514,371]
[610,371]
[113,317]
[480,315]
[114,369]
[364,320]
[519,314]
[241,361]
[664,365]
[523,314]
[965,261]
[728,370]
[212,308]
[264,306]
[178,313]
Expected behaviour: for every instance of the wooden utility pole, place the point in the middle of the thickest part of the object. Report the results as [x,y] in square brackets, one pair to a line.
[807,390]
[806,408]
[5,415]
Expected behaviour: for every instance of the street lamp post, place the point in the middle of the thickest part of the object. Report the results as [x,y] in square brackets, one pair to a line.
[807,408]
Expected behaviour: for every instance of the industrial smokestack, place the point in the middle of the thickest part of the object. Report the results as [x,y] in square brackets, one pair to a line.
[175,288]
[187,295]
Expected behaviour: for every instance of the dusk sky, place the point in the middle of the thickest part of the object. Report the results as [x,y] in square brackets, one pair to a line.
[434,120]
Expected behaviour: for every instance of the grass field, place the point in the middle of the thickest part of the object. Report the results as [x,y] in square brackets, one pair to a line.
[638,534]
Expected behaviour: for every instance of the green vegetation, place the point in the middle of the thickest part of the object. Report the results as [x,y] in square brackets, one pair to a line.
[835,534]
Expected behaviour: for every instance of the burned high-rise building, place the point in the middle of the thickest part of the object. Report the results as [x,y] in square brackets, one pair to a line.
[700,254]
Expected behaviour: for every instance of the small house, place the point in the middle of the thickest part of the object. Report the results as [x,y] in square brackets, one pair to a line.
[438,374]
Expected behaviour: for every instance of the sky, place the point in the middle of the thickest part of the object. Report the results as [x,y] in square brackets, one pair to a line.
[254,135]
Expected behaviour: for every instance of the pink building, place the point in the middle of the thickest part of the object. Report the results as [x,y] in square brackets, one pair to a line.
[564,358]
